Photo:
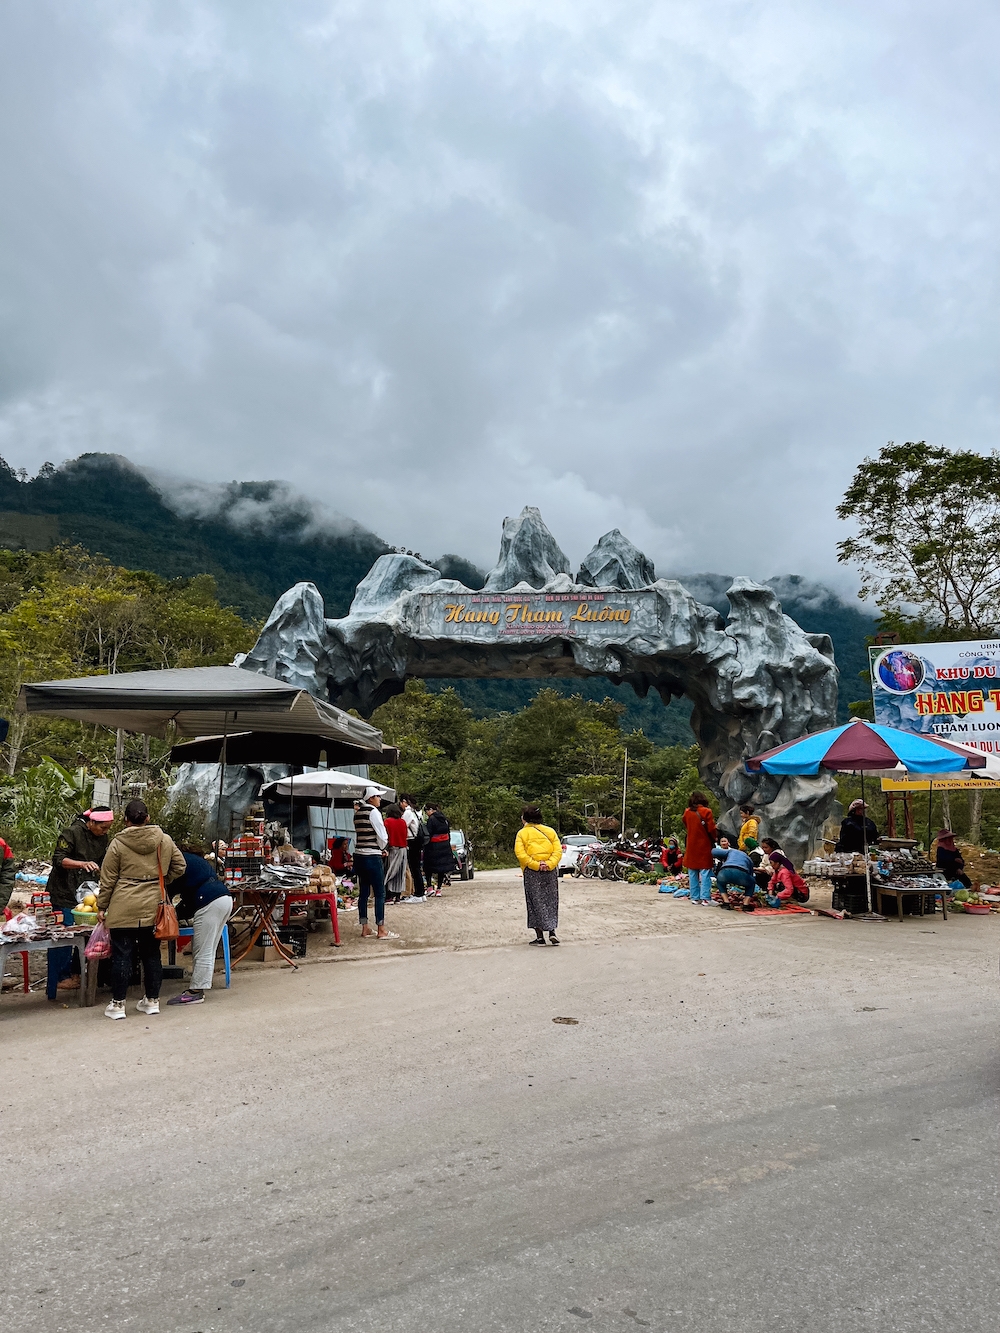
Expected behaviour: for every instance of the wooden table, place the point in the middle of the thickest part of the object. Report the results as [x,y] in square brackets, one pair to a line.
[87,992]
[899,893]
[264,902]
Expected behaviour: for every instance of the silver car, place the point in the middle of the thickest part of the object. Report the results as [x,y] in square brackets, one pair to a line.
[573,844]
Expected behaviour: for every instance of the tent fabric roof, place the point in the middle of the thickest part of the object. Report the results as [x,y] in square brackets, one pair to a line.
[200,701]
[278,747]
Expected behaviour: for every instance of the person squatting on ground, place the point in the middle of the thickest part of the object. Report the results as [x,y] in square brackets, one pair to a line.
[439,859]
[416,838]
[701,835]
[786,884]
[370,840]
[762,872]
[129,900]
[538,849]
[395,871]
[734,878]
[78,856]
[201,898]
[671,856]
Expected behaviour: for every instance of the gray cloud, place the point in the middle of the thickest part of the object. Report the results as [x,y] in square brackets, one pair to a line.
[673,269]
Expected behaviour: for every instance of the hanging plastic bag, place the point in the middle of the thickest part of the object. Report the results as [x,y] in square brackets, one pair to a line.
[99,944]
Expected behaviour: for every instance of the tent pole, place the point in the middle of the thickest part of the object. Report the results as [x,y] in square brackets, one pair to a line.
[930,811]
[222,778]
[864,835]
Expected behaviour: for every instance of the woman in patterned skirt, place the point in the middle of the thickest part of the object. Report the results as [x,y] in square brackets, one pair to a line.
[538,849]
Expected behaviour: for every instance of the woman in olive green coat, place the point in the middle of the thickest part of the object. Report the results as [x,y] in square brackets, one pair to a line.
[129,900]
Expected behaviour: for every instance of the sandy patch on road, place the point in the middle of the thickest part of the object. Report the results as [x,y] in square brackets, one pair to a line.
[489,912]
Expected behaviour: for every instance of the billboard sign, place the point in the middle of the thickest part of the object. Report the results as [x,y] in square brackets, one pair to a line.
[951,690]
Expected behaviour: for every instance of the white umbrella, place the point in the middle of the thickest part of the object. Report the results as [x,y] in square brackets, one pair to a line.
[328,784]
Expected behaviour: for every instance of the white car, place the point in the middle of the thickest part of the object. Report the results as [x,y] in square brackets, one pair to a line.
[573,844]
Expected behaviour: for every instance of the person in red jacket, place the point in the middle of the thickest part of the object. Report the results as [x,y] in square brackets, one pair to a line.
[701,837]
[8,871]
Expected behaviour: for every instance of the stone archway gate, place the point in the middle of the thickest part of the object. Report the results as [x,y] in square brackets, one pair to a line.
[754,680]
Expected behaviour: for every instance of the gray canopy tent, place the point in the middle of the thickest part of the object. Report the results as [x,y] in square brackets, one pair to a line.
[199,701]
[206,702]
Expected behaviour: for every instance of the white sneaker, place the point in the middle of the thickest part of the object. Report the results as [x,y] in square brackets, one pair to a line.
[145,1006]
[413,899]
[116,1009]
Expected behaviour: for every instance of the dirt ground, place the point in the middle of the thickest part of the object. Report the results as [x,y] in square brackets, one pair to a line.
[489,911]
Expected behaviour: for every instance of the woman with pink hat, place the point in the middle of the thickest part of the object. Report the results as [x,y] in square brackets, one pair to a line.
[78,856]
[949,860]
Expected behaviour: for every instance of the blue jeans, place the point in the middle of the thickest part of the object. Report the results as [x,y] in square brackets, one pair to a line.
[60,960]
[732,877]
[701,885]
[370,876]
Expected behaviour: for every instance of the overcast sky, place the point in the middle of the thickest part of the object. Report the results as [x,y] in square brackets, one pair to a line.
[671,267]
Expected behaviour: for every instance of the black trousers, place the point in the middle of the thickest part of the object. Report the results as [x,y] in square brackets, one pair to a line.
[416,870]
[123,942]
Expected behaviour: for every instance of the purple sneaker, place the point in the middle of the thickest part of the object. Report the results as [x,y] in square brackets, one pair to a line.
[186,997]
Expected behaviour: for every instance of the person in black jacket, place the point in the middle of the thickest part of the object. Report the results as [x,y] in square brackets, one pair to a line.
[854,828]
[438,857]
[78,856]
[203,899]
[949,859]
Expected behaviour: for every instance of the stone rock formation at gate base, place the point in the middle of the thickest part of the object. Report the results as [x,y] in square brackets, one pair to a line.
[755,681]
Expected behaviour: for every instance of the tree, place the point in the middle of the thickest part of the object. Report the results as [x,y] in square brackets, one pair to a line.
[928,534]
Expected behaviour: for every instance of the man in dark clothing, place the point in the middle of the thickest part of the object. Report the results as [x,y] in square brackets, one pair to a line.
[78,856]
[8,874]
[854,828]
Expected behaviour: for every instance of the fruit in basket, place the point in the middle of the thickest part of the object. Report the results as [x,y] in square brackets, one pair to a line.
[90,903]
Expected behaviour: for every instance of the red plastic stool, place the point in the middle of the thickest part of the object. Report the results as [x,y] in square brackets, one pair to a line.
[331,898]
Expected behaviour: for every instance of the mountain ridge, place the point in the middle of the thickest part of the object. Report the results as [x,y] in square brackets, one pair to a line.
[259,538]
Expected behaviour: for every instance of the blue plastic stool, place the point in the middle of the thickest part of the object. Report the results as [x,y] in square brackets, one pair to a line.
[187,933]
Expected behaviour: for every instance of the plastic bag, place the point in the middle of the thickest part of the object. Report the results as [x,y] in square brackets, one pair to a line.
[22,924]
[89,886]
[99,944]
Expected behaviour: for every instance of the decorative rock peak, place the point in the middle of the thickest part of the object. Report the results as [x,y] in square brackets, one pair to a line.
[293,644]
[388,577]
[528,554]
[616,563]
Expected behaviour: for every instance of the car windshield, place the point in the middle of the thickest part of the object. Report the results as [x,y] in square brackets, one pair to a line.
[579,839]
[458,839]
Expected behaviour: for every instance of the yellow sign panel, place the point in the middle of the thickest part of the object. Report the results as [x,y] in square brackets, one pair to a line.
[946,782]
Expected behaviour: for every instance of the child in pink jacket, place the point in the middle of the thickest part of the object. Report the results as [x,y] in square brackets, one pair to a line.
[786,884]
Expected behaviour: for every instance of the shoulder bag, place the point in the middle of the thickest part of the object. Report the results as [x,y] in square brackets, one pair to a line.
[166,917]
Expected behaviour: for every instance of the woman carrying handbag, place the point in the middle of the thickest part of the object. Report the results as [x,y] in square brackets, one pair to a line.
[133,904]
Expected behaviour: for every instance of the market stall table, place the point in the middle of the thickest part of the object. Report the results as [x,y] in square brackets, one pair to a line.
[77,942]
[900,891]
[264,902]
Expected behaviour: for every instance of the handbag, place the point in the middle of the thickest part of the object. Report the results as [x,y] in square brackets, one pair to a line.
[166,917]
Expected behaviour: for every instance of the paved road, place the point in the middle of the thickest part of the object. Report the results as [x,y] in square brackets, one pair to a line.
[788,1129]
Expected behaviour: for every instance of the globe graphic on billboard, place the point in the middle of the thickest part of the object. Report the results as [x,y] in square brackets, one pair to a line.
[899,671]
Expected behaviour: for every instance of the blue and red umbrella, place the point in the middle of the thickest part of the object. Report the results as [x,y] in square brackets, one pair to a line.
[860,747]
[864,747]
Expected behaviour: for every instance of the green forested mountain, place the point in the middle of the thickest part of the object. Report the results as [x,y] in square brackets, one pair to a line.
[257,539]
[104,503]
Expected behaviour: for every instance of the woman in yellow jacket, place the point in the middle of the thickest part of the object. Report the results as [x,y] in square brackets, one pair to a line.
[538,849]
